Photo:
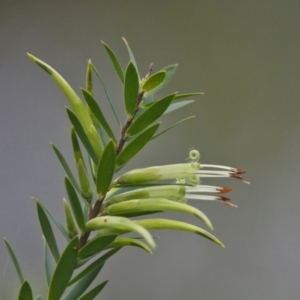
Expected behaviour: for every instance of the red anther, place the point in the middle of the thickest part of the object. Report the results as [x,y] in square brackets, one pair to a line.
[224,199]
[225,189]
[240,171]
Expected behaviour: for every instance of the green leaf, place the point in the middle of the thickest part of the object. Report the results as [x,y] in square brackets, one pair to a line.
[64,270]
[82,135]
[170,71]
[136,144]
[95,264]
[150,115]
[49,269]
[182,96]
[94,292]
[155,204]
[131,90]
[47,231]
[86,190]
[177,123]
[79,288]
[153,81]
[114,61]
[132,58]
[107,96]
[14,260]
[76,103]
[75,204]
[95,108]
[120,223]
[25,292]
[70,222]
[95,246]
[76,148]
[106,169]
[161,224]
[178,105]
[56,222]
[89,77]
[66,167]
[122,242]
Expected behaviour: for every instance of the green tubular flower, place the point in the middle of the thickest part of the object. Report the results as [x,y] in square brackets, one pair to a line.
[175,192]
[159,173]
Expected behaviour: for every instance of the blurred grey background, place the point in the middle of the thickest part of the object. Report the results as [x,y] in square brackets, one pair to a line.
[244,55]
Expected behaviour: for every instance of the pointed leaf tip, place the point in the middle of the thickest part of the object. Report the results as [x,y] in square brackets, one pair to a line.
[14,260]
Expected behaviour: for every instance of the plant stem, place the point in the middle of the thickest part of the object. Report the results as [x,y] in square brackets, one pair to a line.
[97,206]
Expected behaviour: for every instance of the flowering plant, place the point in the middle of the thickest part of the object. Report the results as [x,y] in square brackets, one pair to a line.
[103,202]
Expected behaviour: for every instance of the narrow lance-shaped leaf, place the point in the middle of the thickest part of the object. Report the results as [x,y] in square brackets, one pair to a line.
[89,88]
[132,58]
[153,81]
[150,115]
[178,105]
[66,167]
[114,61]
[47,231]
[89,77]
[56,222]
[94,292]
[120,223]
[14,260]
[131,90]
[94,246]
[177,123]
[107,95]
[70,222]
[106,169]
[155,204]
[95,264]
[95,108]
[25,292]
[49,269]
[64,270]
[95,155]
[187,95]
[79,288]
[75,204]
[136,144]
[86,189]
[75,101]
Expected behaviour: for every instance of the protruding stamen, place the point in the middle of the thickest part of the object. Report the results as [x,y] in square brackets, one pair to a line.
[208,189]
[240,178]
[218,167]
[226,201]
